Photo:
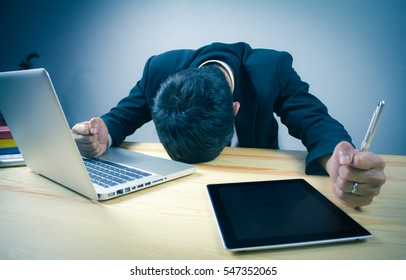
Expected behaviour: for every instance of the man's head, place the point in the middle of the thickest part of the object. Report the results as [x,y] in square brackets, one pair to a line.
[193,114]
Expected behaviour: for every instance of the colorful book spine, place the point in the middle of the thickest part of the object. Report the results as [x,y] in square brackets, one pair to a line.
[9,151]
[5,132]
[7,143]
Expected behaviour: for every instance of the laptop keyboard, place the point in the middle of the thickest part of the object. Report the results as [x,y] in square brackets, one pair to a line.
[108,174]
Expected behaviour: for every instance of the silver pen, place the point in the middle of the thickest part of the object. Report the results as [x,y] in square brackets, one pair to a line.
[370,133]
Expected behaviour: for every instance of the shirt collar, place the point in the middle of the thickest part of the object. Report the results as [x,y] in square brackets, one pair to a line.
[225,65]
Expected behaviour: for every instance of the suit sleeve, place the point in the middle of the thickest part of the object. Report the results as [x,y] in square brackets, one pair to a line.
[130,113]
[306,117]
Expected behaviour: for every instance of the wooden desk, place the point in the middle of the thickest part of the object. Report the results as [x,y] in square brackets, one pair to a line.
[41,220]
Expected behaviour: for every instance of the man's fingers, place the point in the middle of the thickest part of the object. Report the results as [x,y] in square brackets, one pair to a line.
[344,185]
[95,125]
[89,152]
[368,160]
[91,137]
[353,200]
[373,175]
[88,127]
[345,153]
[81,128]
[86,139]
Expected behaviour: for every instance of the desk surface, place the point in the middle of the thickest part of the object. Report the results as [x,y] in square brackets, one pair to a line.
[42,220]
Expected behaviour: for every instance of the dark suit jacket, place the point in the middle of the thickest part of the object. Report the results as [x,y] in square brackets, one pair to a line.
[265,83]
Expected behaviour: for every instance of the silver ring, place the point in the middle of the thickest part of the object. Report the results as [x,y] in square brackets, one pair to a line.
[354,188]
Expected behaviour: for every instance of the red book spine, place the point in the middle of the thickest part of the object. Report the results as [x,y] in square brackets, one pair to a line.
[5,132]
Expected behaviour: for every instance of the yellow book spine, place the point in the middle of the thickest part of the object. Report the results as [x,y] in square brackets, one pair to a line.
[7,143]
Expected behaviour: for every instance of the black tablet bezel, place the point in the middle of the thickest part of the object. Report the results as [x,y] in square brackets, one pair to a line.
[351,231]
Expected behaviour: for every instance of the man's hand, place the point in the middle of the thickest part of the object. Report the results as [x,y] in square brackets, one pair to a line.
[91,137]
[347,166]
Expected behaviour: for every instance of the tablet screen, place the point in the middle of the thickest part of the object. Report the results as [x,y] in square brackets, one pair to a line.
[274,214]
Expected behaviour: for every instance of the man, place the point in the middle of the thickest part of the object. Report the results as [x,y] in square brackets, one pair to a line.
[226,94]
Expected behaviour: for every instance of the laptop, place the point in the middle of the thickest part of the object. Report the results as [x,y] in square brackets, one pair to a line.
[29,103]
[278,214]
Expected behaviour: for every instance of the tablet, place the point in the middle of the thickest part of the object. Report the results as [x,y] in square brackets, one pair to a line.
[277,214]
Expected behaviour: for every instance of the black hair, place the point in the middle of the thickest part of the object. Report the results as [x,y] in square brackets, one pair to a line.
[193,114]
